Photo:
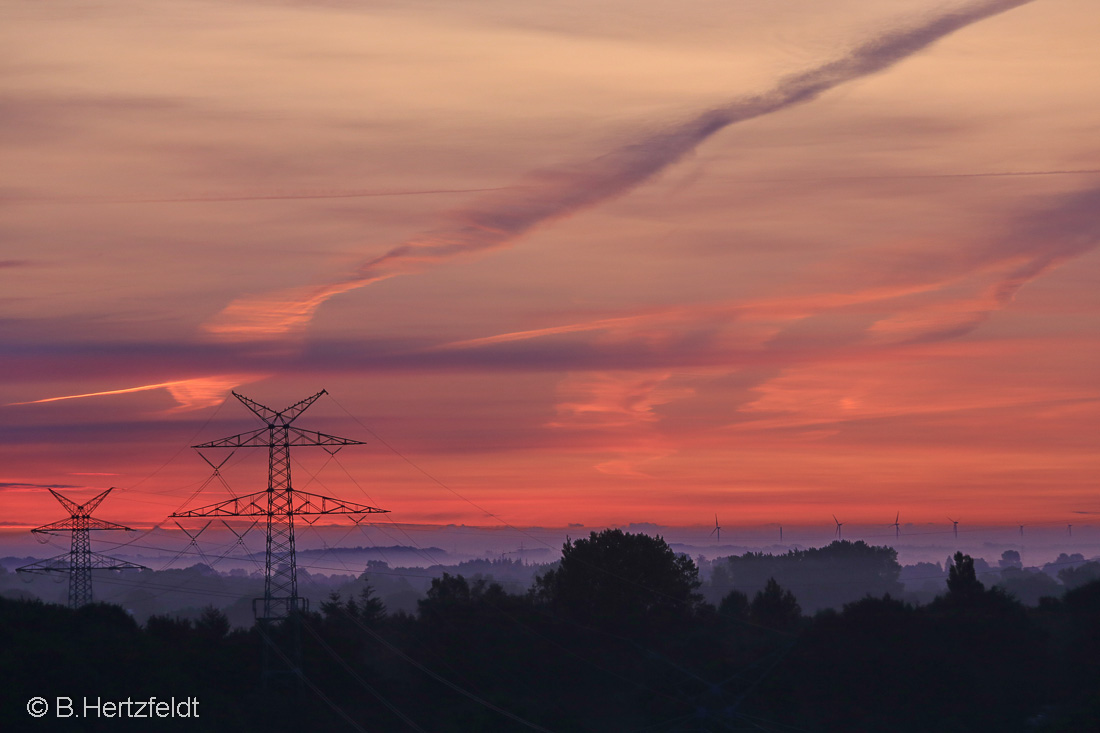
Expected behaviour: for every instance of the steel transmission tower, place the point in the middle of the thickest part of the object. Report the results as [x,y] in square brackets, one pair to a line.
[80,560]
[279,503]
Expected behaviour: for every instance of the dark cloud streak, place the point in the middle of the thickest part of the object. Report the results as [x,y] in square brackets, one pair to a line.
[547,196]
[19,486]
[552,195]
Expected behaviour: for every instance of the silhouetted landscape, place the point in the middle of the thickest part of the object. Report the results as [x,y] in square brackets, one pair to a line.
[622,634]
[694,366]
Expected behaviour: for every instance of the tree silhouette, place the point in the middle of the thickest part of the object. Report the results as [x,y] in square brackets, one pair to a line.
[735,606]
[367,608]
[824,577]
[212,624]
[1010,559]
[962,581]
[619,579]
[774,607]
[1075,577]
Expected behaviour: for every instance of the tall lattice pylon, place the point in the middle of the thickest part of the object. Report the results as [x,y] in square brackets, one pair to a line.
[80,561]
[279,504]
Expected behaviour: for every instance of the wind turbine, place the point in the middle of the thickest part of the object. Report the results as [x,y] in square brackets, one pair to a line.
[781,533]
[1069,530]
[839,524]
[896,526]
[1021,530]
[956,523]
[717,530]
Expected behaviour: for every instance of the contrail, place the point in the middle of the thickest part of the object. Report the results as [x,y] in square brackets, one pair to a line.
[127,390]
[190,394]
[543,197]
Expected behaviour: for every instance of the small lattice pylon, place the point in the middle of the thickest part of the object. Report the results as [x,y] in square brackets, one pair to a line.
[80,561]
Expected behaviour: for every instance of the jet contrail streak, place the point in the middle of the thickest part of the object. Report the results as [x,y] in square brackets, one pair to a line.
[191,394]
[144,387]
[543,197]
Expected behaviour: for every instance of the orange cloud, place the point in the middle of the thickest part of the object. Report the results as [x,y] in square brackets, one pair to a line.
[285,312]
[827,394]
[619,406]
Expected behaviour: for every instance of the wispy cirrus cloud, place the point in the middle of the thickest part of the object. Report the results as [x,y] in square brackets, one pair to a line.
[987,279]
[1035,243]
[544,197]
[775,310]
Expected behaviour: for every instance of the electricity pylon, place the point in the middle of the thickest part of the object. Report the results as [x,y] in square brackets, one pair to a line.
[80,561]
[279,503]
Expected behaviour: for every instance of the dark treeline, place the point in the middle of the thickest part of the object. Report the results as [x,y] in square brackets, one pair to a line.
[186,592]
[617,636]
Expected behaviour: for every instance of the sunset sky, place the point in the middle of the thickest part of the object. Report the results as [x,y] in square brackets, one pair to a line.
[580,262]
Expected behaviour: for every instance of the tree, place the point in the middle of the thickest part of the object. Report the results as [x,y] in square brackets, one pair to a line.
[998,661]
[962,581]
[171,629]
[774,607]
[1028,586]
[825,577]
[371,608]
[212,624]
[618,579]
[1075,577]
[735,606]
[448,590]
[1010,559]
[368,609]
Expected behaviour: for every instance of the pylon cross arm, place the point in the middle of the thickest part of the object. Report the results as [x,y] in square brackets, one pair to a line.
[252,439]
[252,505]
[84,509]
[67,525]
[64,525]
[273,417]
[262,438]
[298,436]
[63,564]
[58,564]
[255,505]
[305,503]
[103,562]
